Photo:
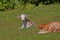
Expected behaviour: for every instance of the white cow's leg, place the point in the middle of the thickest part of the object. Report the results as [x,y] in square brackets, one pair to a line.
[28,24]
[21,27]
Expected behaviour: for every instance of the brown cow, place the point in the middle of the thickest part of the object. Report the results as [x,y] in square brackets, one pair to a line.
[50,27]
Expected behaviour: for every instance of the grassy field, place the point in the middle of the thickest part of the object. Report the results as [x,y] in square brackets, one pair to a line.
[9,24]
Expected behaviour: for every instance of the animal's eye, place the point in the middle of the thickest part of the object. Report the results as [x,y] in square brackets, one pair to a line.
[41,28]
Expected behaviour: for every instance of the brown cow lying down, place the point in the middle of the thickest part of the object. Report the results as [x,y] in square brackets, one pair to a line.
[50,27]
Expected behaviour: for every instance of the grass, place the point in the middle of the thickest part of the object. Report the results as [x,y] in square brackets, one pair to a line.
[9,24]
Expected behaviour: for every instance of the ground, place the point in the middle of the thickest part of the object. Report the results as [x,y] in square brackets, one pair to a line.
[9,23]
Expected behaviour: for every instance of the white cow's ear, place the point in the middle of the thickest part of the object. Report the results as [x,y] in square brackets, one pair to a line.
[18,17]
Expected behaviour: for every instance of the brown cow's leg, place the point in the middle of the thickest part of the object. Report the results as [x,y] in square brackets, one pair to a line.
[43,31]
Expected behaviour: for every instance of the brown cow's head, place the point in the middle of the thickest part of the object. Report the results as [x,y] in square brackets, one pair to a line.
[42,26]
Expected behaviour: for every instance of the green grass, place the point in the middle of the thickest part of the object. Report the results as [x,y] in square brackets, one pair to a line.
[9,24]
